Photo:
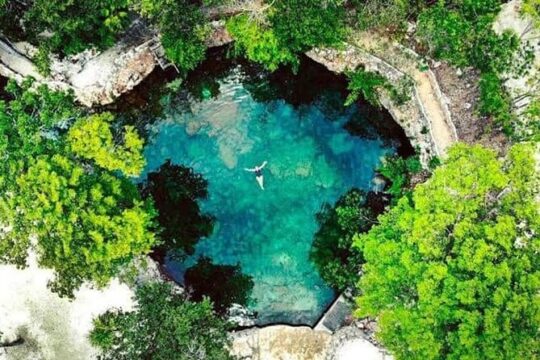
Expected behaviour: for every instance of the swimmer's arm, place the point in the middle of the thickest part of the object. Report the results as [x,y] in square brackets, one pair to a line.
[250,170]
[263,164]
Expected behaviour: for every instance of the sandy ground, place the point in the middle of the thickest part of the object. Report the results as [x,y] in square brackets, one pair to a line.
[53,328]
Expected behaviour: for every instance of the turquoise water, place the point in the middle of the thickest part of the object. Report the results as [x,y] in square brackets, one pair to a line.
[311,160]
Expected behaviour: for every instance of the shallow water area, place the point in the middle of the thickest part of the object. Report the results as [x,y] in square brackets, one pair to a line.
[311,159]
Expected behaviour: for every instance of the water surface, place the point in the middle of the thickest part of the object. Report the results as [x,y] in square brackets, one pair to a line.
[311,158]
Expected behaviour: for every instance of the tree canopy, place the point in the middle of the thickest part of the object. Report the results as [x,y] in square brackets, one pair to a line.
[286,29]
[92,138]
[82,220]
[454,272]
[332,252]
[163,326]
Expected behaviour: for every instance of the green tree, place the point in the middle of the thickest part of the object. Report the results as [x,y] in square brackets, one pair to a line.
[164,326]
[453,273]
[338,263]
[87,225]
[494,101]
[399,171]
[84,222]
[366,84]
[182,27]
[91,138]
[303,24]
[382,14]
[532,8]
[259,43]
[76,25]
[223,284]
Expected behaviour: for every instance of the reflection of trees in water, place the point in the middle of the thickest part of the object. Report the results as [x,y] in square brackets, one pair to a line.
[175,190]
[332,252]
[223,284]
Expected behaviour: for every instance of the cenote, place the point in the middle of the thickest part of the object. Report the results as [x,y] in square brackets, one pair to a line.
[229,115]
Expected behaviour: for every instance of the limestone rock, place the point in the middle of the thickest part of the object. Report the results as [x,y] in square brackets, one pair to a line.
[280,342]
[350,344]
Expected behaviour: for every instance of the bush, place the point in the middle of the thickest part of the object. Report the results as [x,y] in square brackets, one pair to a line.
[338,263]
[182,28]
[365,83]
[398,171]
[76,25]
[494,101]
[163,326]
[303,24]
[259,44]
[385,14]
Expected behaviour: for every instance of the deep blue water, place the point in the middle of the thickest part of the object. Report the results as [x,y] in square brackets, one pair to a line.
[311,158]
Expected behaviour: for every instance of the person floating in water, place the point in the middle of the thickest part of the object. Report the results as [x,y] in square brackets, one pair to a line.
[258,173]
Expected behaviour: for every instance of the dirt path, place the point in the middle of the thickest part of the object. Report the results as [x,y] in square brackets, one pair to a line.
[443,134]
[431,100]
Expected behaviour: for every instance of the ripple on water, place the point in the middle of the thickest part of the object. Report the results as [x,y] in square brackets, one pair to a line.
[311,160]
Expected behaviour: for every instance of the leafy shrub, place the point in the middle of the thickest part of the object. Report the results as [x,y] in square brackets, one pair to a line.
[338,263]
[389,14]
[76,25]
[42,60]
[303,24]
[398,171]
[91,138]
[367,84]
[182,28]
[446,33]
[259,44]
[163,326]
[364,83]
[532,8]
[494,101]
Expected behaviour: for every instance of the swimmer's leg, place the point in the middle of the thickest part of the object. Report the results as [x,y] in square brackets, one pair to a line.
[260,180]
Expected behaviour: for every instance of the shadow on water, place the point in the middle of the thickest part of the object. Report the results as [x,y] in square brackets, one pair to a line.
[144,104]
[228,114]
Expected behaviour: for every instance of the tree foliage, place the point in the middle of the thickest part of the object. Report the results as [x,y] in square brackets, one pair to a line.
[86,225]
[531,8]
[494,101]
[365,84]
[182,28]
[91,138]
[259,43]
[225,285]
[163,326]
[82,221]
[303,24]
[288,28]
[338,263]
[399,171]
[382,14]
[453,272]
[76,25]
